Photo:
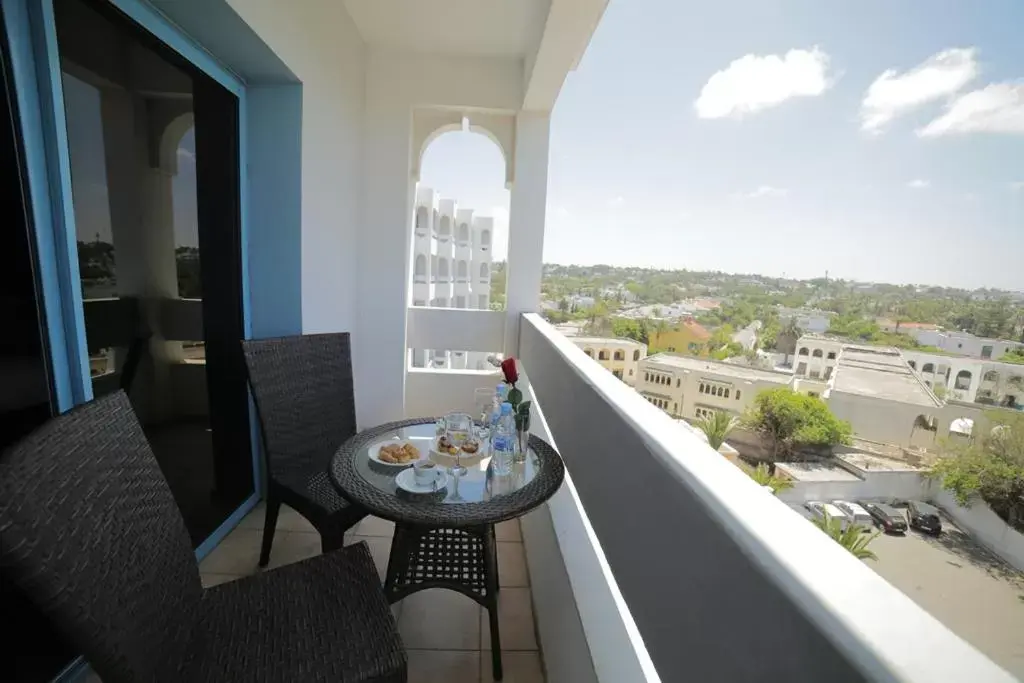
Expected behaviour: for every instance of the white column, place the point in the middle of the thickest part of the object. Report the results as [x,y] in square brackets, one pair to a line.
[383,260]
[526,223]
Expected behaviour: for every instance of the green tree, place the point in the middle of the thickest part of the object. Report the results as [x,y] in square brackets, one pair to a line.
[991,465]
[791,420]
[852,537]
[716,427]
[762,474]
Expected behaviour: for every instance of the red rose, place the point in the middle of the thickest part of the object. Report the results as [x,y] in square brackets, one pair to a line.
[508,368]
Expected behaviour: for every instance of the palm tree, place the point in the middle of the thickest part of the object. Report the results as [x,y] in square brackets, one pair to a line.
[716,427]
[851,538]
[763,476]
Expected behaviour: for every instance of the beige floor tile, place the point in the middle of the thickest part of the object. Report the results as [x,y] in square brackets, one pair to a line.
[254,520]
[512,565]
[290,520]
[515,621]
[380,549]
[375,526]
[516,667]
[441,666]
[508,531]
[292,546]
[237,554]
[440,619]
[210,579]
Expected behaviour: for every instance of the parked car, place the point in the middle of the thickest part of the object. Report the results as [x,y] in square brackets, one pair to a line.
[924,517]
[818,509]
[886,516]
[855,512]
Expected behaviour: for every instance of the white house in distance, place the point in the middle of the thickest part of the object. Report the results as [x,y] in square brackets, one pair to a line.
[451,269]
[620,356]
[970,379]
[807,319]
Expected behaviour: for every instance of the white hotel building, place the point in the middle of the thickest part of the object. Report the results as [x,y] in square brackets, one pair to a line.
[451,269]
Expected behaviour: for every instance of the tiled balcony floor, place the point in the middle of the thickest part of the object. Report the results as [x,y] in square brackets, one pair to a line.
[446,634]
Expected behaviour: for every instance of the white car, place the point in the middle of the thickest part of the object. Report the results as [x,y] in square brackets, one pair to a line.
[818,509]
[855,512]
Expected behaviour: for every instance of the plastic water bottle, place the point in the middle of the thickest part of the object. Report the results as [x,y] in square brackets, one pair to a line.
[504,441]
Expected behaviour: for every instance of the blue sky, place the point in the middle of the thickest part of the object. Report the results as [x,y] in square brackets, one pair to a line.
[878,140]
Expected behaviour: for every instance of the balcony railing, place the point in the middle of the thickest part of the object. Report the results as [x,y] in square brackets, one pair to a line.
[684,569]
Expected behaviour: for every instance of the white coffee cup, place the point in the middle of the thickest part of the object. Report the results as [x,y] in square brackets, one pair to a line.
[425,472]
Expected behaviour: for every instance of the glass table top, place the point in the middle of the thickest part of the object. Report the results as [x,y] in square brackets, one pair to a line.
[478,484]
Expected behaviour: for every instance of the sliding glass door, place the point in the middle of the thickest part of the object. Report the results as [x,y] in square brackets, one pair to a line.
[154,156]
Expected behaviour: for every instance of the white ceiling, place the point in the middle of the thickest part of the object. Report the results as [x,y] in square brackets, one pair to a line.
[503,28]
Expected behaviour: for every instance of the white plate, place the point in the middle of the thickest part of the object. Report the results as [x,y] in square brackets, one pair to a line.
[374,452]
[407,481]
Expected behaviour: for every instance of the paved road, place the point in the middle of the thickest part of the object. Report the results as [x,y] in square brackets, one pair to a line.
[747,337]
[963,585]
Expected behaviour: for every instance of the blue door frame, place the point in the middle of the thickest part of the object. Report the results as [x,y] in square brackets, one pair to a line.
[31,29]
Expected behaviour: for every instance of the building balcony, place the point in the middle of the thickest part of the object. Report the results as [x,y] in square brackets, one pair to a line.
[617,593]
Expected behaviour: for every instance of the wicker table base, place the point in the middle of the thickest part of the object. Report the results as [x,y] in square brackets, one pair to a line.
[463,560]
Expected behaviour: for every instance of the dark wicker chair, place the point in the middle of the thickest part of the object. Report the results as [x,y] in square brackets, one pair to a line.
[306,407]
[91,534]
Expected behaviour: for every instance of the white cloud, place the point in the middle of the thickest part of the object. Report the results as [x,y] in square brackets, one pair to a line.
[755,82]
[765,191]
[616,202]
[996,108]
[918,184]
[893,94]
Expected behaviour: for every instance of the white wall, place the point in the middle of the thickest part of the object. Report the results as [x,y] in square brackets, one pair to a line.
[877,419]
[985,526]
[321,45]
[880,486]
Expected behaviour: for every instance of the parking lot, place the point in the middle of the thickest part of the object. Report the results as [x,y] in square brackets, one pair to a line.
[972,592]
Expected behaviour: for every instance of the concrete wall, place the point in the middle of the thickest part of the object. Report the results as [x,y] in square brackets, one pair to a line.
[985,526]
[884,486]
[879,419]
[320,44]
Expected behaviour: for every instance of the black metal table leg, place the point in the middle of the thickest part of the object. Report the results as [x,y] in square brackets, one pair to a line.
[491,573]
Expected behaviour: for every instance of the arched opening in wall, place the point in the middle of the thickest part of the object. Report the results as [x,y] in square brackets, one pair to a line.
[420,269]
[421,221]
[589,352]
[636,355]
[925,423]
[928,369]
[991,376]
[462,175]
[817,353]
[912,364]
[602,354]
[963,380]
[804,351]
[620,355]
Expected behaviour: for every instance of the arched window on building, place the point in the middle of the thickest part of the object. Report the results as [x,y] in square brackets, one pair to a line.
[484,271]
[817,353]
[928,368]
[463,232]
[963,380]
[442,267]
[804,351]
[421,220]
[636,355]
[485,238]
[446,227]
[620,355]
[602,354]
[462,270]
[421,266]
[589,352]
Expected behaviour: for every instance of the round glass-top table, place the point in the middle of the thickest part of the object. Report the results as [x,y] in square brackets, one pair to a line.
[445,539]
[477,497]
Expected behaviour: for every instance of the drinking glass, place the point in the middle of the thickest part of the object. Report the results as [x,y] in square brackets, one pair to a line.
[483,403]
[458,427]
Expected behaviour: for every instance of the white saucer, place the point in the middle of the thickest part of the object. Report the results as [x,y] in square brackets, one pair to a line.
[406,480]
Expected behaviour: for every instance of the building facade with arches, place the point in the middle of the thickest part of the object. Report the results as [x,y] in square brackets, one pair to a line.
[452,253]
[622,357]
